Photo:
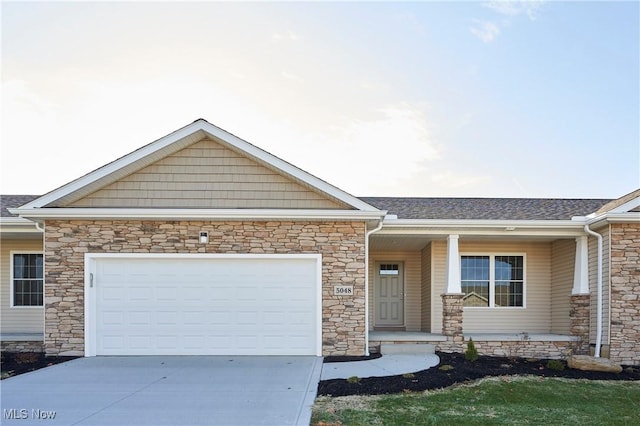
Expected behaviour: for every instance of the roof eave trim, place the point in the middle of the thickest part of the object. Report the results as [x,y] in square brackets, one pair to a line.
[603,219]
[214,131]
[196,214]
[18,225]
[481,223]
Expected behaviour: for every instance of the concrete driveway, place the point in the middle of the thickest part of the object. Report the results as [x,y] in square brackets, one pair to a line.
[165,390]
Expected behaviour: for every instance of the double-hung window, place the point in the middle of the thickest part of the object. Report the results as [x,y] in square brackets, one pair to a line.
[27,279]
[493,281]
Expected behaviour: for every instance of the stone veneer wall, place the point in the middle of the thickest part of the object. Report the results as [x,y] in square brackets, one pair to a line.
[526,348]
[579,315]
[21,346]
[625,293]
[452,306]
[452,329]
[340,243]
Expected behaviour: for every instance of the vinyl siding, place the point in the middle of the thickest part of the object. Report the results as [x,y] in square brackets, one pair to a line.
[17,320]
[593,285]
[563,253]
[412,285]
[535,317]
[207,175]
[425,284]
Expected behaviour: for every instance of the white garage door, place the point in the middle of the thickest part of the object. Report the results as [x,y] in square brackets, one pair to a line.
[204,305]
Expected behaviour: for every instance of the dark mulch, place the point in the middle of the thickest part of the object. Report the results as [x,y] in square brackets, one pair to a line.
[14,363]
[462,371]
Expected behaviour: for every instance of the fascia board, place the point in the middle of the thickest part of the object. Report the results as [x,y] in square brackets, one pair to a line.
[18,225]
[628,217]
[483,227]
[207,214]
[624,208]
[216,132]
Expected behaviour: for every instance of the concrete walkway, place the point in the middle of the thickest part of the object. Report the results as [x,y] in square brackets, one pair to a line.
[165,390]
[387,365]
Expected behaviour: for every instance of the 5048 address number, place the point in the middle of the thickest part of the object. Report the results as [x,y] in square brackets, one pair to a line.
[343,290]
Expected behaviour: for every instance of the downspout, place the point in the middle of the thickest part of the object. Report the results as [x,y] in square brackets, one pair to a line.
[599,300]
[366,285]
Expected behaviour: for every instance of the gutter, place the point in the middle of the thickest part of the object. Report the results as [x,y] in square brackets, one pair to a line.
[366,284]
[599,300]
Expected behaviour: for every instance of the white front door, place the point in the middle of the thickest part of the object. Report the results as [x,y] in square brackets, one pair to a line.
[204,305]
[389,295]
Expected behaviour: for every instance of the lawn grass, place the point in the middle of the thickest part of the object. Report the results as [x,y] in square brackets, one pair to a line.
[493,401]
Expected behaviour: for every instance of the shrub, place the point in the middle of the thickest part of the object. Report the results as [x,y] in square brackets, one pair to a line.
[555,364]
[471,354]
[353,379]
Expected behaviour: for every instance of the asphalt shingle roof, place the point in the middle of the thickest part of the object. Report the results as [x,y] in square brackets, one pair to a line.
[486,208]
[10,201]
[443,208]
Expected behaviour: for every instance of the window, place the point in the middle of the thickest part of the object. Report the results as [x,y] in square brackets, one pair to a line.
[27,279]
[389,269]
[492,281]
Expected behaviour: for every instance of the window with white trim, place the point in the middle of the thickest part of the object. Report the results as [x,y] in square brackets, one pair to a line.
[27,279]
[493,281]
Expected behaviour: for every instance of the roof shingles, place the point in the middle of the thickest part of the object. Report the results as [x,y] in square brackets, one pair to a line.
[443,208]
[10,201]
[486,208]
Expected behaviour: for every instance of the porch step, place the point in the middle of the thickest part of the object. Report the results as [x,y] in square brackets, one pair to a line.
[407,348]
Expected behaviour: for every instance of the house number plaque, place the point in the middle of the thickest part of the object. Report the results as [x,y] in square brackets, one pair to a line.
[343,290]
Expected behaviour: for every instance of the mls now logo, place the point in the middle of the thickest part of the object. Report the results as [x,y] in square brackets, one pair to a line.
[23,413]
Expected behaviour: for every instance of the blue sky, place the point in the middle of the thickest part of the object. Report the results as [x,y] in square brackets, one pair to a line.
[479,99]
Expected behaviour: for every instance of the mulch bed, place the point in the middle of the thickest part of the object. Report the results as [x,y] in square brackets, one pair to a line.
[14,363]
[462,371]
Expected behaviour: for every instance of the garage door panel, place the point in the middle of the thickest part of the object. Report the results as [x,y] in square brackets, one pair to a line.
[214,306]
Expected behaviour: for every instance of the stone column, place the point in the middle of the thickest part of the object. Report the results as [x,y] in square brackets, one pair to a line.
[452,318]
[579,314]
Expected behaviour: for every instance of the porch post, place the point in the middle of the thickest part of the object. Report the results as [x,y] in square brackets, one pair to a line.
[581,268]
[452,298]
[580,302]
[453,266]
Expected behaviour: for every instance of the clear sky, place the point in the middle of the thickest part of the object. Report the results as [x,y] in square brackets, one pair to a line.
[479,99]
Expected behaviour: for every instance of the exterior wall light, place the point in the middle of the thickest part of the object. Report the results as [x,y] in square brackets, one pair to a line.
[204,237]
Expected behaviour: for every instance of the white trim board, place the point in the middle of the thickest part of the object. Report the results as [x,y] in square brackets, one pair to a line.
[196,214]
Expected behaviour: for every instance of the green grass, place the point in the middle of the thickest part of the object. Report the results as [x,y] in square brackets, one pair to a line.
[495,401]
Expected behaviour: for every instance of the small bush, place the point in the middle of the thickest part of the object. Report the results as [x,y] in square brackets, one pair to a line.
[353,379]
[555,364]
[445,367]
[471,354]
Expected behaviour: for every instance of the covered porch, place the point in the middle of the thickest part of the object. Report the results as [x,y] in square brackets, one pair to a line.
[419,291]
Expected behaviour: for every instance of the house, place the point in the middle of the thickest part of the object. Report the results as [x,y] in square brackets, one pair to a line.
[201,243]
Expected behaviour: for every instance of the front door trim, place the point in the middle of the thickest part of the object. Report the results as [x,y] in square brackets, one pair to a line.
[394,311]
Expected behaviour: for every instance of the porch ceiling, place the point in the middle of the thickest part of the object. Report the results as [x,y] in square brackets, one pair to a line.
[399,242]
